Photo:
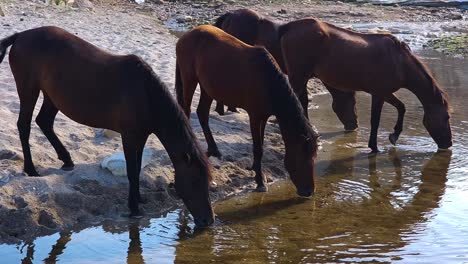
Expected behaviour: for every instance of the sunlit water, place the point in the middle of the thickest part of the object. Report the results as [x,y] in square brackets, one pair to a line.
[407,204]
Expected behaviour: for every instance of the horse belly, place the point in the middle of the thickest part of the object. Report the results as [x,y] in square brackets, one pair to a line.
[86,111]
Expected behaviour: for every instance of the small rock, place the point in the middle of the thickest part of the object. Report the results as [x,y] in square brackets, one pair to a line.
[110,133]
[116,162]
[81,4]
[46,219]
[282,11]
[20,202]
[184,19]
[7,154]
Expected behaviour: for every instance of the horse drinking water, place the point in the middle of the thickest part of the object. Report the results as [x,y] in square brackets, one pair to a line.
[244,76]
[378,64]
[98,89]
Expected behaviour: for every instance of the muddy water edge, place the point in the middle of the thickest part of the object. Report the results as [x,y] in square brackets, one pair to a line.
[406,204]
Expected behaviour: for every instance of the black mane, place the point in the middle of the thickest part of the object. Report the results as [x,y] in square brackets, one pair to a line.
[286,105]
[169,112]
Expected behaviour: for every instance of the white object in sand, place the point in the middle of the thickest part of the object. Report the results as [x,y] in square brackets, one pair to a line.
[139,1]
[116,162]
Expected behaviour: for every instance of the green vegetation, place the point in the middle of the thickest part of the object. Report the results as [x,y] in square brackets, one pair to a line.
[58,2]
[455,45]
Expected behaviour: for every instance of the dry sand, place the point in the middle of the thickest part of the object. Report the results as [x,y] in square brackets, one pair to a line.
[30,206]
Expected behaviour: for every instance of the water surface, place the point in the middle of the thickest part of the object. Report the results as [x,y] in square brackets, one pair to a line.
[408,203]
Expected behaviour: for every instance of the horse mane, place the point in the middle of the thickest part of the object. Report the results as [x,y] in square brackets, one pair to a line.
[285,104]
[440,93]
[166,109]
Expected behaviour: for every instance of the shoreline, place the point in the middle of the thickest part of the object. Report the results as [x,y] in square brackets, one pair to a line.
[35,206]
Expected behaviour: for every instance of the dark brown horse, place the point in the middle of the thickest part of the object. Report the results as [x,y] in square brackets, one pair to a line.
[98,89]
[378,64]
[244,76]
[254,29]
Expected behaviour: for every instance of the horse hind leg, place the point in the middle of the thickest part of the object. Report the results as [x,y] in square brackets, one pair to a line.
[257,128]
[299,85]
[344,106]
[220,108]
[203,112]
[400,106]
[133,144]
[28,98]
[189,83]
[45,120]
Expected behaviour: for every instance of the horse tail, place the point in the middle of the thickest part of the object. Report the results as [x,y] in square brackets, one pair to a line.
[5,43]
[220,20]
[178,86]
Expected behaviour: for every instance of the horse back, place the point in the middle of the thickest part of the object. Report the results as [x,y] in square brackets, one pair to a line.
[84,82]
[253,29]
[242,24]
[228,69]
[367,61]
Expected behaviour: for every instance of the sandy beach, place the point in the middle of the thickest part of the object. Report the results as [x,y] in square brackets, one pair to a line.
[35,205]
[32,206]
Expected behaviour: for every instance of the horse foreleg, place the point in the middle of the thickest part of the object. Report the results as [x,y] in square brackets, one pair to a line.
[344,106]
[132,149]
[140,147]
[45,120]
[400,106]
[257,128]
[377,104]
[203,112]
[28,99]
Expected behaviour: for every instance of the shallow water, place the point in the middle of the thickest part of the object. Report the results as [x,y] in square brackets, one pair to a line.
[407,204]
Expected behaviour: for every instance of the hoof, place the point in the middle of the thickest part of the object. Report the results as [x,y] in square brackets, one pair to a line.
[32,173]
[136,215]
[374,151]
[214,153]
[68,167]
[221,113]
[262,188]
[350,128]
[393,139]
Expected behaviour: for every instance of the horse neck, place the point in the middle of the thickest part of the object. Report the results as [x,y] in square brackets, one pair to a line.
[423,85]
[171,126]
[290,118]
[173,132]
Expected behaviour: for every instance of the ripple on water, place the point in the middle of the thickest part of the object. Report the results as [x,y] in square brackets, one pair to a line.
[408,204]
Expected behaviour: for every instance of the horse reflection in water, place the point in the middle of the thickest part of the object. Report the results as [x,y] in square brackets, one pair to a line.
[135,250]
[263,225]
[373,226]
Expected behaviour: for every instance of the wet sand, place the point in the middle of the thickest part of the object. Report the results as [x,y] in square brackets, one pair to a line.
[89,194]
